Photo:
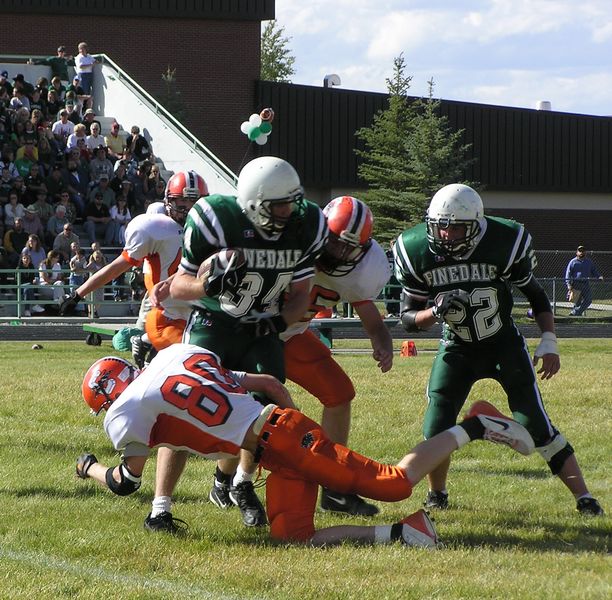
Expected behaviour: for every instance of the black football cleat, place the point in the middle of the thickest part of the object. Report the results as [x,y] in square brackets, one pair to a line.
[349,504]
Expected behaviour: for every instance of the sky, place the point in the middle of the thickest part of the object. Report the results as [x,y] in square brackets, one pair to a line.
[502,52]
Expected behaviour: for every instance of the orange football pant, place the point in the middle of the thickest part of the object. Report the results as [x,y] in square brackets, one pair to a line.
[162,331]
[309,363]
[300,457]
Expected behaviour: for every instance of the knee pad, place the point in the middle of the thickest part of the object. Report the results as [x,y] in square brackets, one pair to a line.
[129,482]
[556,452]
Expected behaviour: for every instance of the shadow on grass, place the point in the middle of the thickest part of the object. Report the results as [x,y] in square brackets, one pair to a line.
[524,473]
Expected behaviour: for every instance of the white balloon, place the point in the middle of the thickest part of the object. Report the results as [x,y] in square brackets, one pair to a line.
[255,120]
[261,139]
[245,127]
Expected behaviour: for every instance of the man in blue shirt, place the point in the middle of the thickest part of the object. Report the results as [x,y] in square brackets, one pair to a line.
[579,271]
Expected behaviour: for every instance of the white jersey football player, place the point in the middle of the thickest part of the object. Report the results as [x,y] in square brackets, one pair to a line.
[352,268]
[155,242]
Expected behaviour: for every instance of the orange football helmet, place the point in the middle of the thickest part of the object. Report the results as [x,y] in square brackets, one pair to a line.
[106,380]
[182,191]
[350,235]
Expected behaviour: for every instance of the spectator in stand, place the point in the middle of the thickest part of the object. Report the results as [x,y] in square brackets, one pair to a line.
[95,141]
[50,277]
[32,223]
[84,63]
[19,186]
[14,240]
[71,212]
[5,83]
[97,223]
[19,100]
[96,262]
[37,103]
[138,181]
[120,215]
[27,156]
[7,162]
[54,105]
[153,178]
[34,249]
[26,285]
[78,93]
[77,181]
[72,108]
[13,209]
[157,193]
[59,63]
[6,185]
[57,222]
[62,129]
[102,187]
[59,88]
[78,267]
[78,134]
[89,120]
[577,275]
[29,131]
[63,241]
[34,182]
[43,208]
[140,149]
[20,83]
[46,153]
[100,165]
[54,183]
[115,143]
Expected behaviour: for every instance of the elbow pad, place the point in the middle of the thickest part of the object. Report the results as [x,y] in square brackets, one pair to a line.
[128,485]
[408,320]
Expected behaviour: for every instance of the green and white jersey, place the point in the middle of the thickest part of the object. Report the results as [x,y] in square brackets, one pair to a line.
[217,222]
[502,257]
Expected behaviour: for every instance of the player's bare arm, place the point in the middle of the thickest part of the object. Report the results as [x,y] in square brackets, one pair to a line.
[270,387]
[380,337]
[298,301]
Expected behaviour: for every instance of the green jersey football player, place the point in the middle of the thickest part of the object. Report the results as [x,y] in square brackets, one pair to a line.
[464,264]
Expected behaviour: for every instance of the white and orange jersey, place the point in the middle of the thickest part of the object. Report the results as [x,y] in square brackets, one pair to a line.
[185,400]
[155,241]
[362,284]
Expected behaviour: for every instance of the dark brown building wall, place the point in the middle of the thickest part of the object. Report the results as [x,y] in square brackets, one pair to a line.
[217,63]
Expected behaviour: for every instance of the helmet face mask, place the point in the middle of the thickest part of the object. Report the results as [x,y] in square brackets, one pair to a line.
[106,380]
[270,195]
[184,189]
[457,210]
[350,229]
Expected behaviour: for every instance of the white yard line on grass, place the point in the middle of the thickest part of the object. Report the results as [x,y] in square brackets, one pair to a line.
[40,560]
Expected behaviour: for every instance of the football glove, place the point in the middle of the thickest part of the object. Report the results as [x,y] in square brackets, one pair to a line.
[225,275]
[454,299]
[69,304]
[264,323]
[83,465]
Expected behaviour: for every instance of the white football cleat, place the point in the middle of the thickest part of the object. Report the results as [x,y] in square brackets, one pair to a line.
[501,429]
[419,530]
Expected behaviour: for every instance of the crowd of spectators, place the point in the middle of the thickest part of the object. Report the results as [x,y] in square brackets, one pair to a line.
[58,170]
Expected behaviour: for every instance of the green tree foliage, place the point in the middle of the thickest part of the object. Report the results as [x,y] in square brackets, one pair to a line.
[410,152]
[170,97]
[276,58]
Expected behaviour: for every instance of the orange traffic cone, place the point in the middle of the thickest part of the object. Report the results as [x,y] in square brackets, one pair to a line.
[408,349]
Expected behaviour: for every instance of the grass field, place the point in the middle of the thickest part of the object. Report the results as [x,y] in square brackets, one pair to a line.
[512,531]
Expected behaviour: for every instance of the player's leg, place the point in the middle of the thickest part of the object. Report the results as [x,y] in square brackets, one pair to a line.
[450,381]
[290,504]
[259,355]
[309,363]
[518,378]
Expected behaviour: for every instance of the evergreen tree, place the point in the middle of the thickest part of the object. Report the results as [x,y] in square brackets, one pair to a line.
[410,152]
[170,97]
[276,58]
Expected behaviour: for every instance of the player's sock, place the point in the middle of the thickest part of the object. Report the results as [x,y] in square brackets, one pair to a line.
[222,478]
[160,504]
[241,475]
[469,430]
[382,534]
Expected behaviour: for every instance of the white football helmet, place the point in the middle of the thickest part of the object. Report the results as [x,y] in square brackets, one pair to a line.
[264,182]
[454,204]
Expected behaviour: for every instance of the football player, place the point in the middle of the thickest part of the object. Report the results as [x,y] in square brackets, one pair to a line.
[352,268]
[241,314]
[155,242]
[466,263]
[186,399]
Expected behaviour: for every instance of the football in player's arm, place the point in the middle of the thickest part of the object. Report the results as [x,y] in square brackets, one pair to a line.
[465,263]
